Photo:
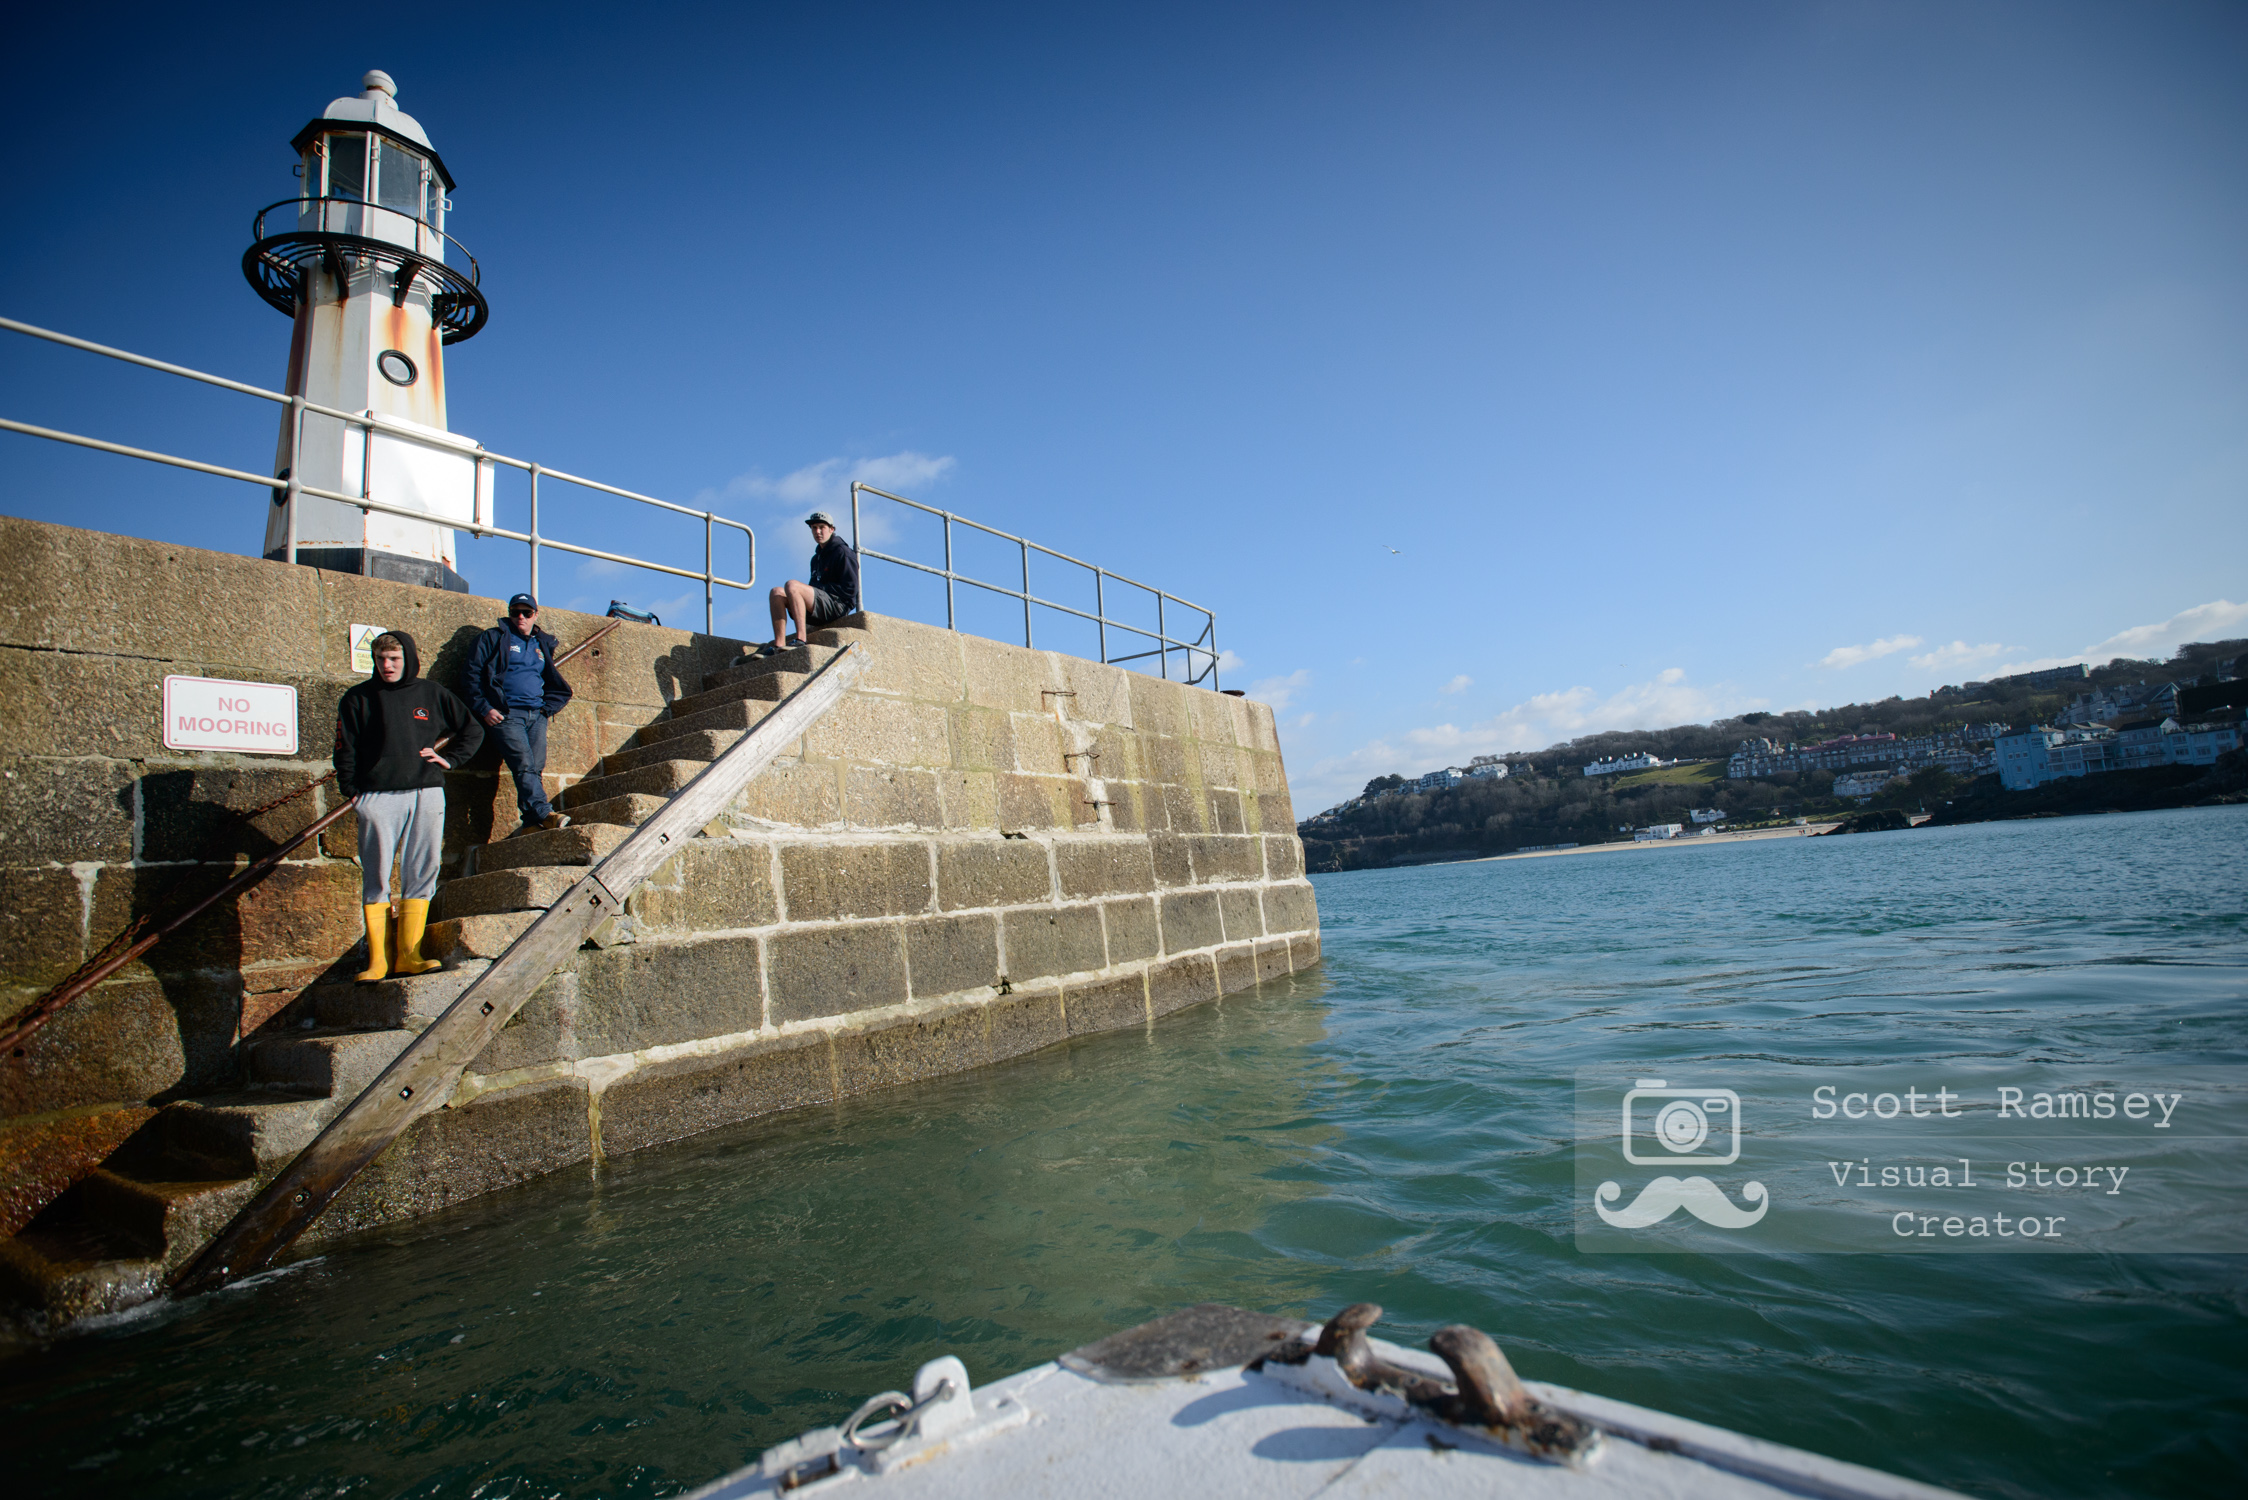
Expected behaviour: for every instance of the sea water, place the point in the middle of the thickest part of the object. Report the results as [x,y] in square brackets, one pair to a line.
[1393,1126]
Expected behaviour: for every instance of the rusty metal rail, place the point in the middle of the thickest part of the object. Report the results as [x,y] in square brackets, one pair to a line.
[126,947]
[421,1077]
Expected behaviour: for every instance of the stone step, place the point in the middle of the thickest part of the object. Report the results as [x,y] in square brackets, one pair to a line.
[627,811]
[466,938]
[740,714]
[529,888]
[63,1270]
[770,687]
[408,1001]
[335,1062]
[749,668]
[703,744]
[585,845]
[244,1134]
[656,779]
[173,1210]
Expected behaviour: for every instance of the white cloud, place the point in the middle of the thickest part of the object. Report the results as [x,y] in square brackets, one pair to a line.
[826,485]
[1850,656]
[1230,660]
[1662,701]
[1957,654]
[2204,622]
[1280,691]
[1459,684]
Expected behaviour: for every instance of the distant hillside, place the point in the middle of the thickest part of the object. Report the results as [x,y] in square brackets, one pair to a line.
[1547,799]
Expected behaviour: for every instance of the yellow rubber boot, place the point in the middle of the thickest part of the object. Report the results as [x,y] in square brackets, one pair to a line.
[413,920]
[378,944]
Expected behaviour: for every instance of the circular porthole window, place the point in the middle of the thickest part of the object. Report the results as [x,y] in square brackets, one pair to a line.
[396,367]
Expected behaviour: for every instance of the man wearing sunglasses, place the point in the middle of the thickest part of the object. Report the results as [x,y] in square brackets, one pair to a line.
[513,688]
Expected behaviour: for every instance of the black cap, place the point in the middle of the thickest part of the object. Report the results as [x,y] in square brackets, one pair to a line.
[522,601]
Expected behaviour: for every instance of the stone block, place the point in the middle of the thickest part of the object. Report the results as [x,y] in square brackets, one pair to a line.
[1186,809]
[1133,932]
[712,885]
[770,688]
[1169,760]
[40,1158]
[1237,967]
[833,971]
[826,882]
[1218,857]
[701,744]
[732,717]
[1173,857]
[579,844]
[970,799]
[127,1041]
[544,1030]
[1225,812]
[1263,771]
[1303,949]
[1134,808]
[1190,921]
[1272,958]
[1038,746]
[1244,918]
[475,937]
[653,994]
[1275,813]
[992,872]
[946,955]
[67,590]
[1180,983]
[1032,802]
[799,794]
[59,811]
[983,739]
[1291,907]
[660,779]
[1104,693]
[1103,867]
[909,1050]
[1258,730]
[885,797]
[911,660]
[1043,941]
[625,812]
[1025,1022]
[1283,856]
[1107,1005]
[1221,765]
[1212,715]
[297,912]
[1010,678]
[42,928]
[670,1101]
[527,888]
[1159,707]
[463,1151]
[869,730]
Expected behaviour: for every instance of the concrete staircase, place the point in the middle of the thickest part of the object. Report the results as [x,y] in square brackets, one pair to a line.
[112,1240]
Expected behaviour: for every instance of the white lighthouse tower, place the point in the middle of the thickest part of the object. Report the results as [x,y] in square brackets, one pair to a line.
[361,261]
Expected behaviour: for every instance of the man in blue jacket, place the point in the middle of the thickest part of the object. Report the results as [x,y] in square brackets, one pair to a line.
[832,593]
[513,688]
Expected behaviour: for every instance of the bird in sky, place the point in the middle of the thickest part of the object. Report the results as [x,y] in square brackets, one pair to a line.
[1393,551]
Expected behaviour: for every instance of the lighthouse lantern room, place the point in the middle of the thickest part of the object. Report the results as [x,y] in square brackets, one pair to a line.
[360,260]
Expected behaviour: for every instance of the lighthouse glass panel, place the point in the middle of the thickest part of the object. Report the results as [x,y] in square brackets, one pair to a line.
[347,166]
[399,185]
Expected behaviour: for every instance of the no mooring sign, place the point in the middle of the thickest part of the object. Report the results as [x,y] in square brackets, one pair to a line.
[211,713]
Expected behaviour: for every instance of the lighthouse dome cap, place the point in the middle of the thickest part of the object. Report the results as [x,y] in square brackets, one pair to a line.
[375,107]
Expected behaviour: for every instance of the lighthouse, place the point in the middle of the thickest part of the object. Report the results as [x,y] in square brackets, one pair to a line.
[360,261]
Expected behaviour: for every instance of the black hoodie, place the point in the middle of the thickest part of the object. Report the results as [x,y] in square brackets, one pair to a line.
[381,728]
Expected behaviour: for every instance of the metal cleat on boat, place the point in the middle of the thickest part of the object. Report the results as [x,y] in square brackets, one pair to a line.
[1484,1394]
[893,1431]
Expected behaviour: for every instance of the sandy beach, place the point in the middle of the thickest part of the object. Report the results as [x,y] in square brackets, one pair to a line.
[1683,841]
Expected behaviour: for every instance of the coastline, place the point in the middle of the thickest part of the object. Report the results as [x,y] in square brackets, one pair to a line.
[1689,841]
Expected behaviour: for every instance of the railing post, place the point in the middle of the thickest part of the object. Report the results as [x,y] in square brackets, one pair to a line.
[710,607]
[950,623]
[1100,612]
[296,464]
[534,531]
[855,544]
[1162,637]
[1026,594]
[1213,653]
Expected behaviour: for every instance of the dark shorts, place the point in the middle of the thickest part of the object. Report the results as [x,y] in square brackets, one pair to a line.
[826,608]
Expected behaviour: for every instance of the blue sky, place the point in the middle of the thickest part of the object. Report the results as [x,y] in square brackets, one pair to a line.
[1692,357]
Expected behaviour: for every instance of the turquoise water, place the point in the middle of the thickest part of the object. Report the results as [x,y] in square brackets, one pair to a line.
[1393,1127]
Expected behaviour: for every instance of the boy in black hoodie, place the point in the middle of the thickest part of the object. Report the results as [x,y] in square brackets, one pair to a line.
[389,730]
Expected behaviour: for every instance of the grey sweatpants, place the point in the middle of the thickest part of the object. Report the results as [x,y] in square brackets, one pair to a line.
[408,827]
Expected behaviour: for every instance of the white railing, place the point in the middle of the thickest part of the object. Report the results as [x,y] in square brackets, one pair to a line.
[1203,645]
[481,523]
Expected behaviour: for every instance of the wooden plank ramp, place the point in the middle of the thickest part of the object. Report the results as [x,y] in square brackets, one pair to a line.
[421,1078]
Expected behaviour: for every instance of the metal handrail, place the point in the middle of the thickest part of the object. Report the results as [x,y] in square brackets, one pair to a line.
[1204,644]
[257,227]
[293,487]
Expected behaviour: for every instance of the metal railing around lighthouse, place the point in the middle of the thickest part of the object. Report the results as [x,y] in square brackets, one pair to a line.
[481,525]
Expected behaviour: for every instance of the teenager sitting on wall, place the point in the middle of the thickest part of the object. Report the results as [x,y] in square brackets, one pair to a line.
[389,730]
[513,689]
[832,593]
